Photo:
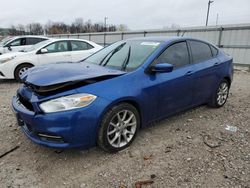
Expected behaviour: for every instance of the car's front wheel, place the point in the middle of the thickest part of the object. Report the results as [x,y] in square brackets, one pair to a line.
[119,127]
[20,70]
[220,96]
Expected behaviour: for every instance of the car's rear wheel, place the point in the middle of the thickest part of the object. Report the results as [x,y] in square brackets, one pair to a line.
[20,70]
[118,128]
[220,97]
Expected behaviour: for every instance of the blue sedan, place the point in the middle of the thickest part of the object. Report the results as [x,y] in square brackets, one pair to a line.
[105,99]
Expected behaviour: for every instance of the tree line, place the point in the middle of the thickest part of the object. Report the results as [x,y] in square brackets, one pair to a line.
[77,26]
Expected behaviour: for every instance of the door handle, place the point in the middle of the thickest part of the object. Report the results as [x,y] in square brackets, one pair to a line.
[216,64]
[189,72]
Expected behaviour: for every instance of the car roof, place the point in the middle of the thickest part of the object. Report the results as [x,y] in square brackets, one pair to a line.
[30,36]
[165,39]
[67,39]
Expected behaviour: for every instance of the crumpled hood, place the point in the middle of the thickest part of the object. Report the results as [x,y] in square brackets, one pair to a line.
[63,73]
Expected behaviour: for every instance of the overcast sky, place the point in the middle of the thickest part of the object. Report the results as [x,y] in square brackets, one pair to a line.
[136,14]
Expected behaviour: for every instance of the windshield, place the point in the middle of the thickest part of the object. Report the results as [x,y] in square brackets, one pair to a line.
[5,40]
[124,55]
[37,46]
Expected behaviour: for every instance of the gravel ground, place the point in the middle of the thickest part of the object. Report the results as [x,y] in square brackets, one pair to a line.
[192,149]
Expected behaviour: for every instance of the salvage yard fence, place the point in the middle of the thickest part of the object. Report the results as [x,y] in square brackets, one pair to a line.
[233,39]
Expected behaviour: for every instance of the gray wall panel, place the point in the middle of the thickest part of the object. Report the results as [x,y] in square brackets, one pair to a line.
[235,39]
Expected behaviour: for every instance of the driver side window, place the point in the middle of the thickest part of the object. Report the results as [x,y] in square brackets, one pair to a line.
[16,42]
[176,54]
[61,46]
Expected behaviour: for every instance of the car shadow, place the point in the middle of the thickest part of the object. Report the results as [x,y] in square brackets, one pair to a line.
[96,152]
[8,81]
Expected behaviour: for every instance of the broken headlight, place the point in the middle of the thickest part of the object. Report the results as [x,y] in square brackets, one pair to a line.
[67,103]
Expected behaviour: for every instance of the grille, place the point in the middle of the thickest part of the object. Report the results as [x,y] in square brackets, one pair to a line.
[25,102]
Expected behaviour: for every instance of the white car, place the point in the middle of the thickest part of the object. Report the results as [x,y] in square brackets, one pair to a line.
[13,65]
[19,43]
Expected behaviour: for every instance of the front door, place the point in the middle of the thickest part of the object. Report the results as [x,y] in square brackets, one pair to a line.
[175,88]
[56,52]
[16,45]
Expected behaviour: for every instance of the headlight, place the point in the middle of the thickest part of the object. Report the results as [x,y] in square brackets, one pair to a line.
[67,103]
[4,60]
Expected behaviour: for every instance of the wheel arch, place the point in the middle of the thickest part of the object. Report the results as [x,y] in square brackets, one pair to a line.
[20,64]
[228,79]
[129,100]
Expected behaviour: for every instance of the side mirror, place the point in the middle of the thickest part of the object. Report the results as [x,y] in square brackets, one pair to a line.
[9,48]
[44,51]
[162,67]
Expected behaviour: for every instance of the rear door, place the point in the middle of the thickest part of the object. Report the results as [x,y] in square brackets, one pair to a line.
[80,50]
[175,88]
[206,65]
[57,52]
[30,41]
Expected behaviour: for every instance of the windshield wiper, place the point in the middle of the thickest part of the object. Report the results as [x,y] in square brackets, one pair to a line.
[126,61]
[118,48]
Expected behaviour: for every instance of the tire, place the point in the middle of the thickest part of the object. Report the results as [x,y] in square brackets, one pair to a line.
[20,70]
[220,96]
[114,134]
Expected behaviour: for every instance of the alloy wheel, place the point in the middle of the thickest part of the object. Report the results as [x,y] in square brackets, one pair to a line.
[222,93]
[122,128]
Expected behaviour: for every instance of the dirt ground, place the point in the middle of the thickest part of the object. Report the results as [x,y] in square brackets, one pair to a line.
[192,149]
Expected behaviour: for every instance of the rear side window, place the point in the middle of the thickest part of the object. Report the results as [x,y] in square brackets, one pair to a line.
[176,54]
[200,51]
[214,51]
[32,41]
[80,45]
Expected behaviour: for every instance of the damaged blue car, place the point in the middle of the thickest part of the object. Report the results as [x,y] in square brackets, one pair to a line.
[107,98]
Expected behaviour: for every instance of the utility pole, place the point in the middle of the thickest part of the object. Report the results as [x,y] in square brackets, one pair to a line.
[208,9]
[105,23]
[217,18]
